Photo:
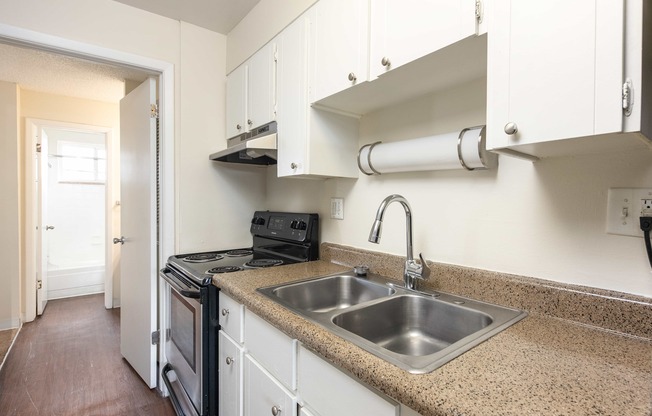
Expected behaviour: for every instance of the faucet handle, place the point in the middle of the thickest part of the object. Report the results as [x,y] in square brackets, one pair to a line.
[425,270]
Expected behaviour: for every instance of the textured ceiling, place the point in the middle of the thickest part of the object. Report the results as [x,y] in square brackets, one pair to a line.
[217,15]
[47,72]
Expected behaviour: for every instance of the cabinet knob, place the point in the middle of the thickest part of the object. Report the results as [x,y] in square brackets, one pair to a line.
[293,166]
[276,410]
[225,312]
[229,360]
[239,127]
[511,128]
[352,77]
[250,122]
[385,61]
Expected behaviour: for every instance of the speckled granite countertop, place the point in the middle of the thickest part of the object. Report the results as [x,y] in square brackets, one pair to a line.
[546,364]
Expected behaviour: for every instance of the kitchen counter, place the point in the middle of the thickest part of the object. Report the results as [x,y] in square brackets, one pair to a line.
[544,364]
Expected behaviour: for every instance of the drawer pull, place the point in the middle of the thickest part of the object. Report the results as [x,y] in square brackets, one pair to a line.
[225,312]
[229,360]
[276,410]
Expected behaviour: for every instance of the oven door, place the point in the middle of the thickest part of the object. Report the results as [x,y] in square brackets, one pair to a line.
[183,341]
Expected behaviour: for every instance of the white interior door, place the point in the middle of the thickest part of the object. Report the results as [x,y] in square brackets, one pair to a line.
[138,265]
[43,227]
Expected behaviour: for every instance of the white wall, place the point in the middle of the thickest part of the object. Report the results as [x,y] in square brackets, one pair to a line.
[543,220]
[9,207]
[215,202]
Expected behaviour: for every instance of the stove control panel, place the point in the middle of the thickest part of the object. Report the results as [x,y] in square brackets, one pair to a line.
[297,227]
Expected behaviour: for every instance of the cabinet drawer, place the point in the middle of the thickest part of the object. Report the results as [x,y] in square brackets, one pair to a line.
[263,392]
[271,348]
[230,358]
[231,315]
[316,376]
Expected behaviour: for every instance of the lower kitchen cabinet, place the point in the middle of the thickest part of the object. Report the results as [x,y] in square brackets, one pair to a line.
[316,376]
[264,395]
[272,374]
[230,358]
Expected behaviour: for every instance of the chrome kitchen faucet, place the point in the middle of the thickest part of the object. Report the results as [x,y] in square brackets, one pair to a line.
[412,270]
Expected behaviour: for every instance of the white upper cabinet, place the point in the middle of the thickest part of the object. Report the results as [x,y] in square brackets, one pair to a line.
[261,88]
[236,101]
[251,92]
[311,143]
[405,30]
[555,71]
[339,38]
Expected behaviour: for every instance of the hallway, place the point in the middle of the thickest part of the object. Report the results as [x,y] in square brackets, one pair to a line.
[67,362]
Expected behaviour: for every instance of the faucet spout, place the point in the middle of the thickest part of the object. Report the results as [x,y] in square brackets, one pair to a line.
[412,270]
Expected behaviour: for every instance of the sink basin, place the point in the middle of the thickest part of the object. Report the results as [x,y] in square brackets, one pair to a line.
[416,331]
[330,293]
[413,325]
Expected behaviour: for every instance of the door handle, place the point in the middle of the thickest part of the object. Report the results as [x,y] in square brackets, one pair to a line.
[49,227]
[120,240]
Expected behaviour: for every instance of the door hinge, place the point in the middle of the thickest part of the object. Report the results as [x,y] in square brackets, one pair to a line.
[38,147]
[156,337]
[478,11]
[153,113]
[39,284]
[628,97]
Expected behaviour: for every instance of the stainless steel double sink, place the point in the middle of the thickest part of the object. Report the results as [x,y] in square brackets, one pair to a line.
[417,331]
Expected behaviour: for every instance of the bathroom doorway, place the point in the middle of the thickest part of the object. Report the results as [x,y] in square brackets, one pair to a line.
[76,214]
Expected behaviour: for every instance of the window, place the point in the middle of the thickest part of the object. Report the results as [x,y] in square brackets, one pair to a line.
[81,162]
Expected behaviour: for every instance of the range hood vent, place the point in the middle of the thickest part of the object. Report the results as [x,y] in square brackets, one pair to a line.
[258,147]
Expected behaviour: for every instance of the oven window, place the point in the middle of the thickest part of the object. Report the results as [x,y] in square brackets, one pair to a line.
[182,327]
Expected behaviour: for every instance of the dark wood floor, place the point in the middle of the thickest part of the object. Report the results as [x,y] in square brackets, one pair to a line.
[68,362]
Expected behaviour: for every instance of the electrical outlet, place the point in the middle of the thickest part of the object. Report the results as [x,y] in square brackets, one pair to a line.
[337,208]
[624,207]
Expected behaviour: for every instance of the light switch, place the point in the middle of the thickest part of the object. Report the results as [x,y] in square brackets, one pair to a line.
[624,207]
[337,208]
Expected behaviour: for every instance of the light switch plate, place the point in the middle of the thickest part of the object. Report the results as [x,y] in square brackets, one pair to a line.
[337,208]
[624,207]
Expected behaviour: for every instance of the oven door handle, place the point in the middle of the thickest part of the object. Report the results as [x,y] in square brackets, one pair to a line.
[189,293]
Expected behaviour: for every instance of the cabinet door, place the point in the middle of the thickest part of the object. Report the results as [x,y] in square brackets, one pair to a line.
[263,393]
[316,377]
[402,31]
[230,358]
[339,38]
[261,87]
[293,98]
[554,70]
[236,101]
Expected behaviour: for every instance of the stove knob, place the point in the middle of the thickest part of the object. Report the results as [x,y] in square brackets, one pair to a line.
[293,224]
[301,225]
[258,221]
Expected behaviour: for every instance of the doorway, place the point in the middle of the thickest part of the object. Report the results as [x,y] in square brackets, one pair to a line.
[164,72]
[77,216]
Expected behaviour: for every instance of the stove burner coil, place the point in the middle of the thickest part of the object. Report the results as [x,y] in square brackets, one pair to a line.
[223,269]
[239,253]
[260,263]
[203,257]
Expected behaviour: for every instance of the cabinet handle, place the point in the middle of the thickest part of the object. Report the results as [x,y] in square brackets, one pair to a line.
[229,360]
[250,122]
[225,312]
[293,166]
[276,410]
[352,77]
[511,128]
[239,127]
[385,61]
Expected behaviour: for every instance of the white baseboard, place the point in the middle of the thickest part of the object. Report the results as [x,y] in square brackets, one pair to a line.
[9,323]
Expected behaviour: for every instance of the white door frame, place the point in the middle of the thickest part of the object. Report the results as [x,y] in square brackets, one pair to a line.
[165,72]
[32,127]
